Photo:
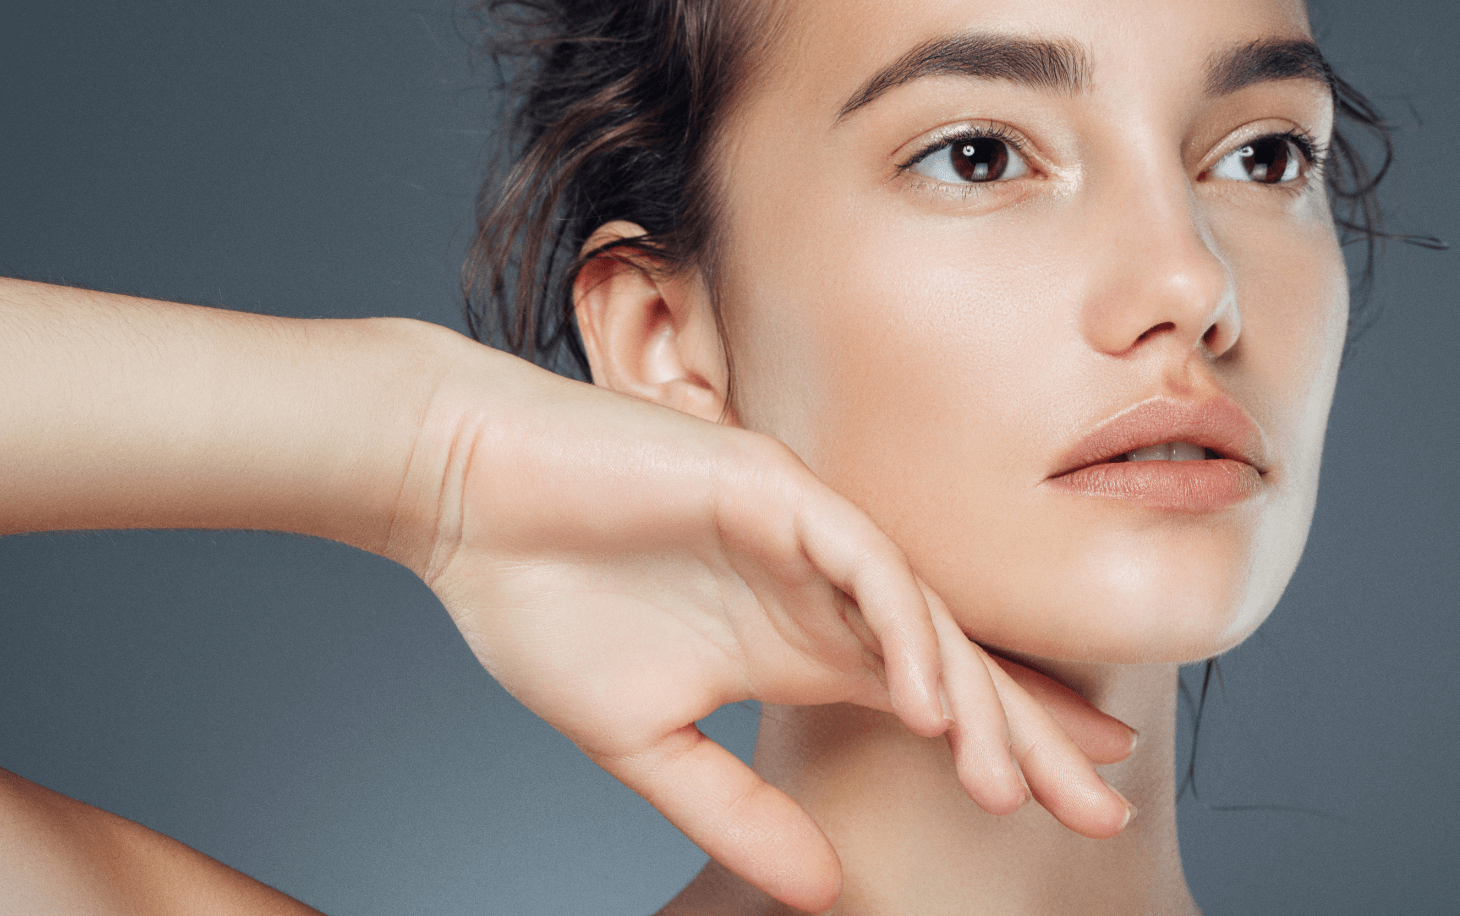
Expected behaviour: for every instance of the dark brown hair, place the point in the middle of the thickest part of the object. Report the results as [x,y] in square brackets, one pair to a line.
[620,106]
[1353,192]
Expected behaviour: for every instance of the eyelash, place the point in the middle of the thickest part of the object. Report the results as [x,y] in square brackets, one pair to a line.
[962,135]
[1313,152]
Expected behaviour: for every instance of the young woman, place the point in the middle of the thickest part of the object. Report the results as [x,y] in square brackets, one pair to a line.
[1004,337]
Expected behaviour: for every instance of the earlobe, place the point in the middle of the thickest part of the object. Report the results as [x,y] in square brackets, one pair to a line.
[648,333]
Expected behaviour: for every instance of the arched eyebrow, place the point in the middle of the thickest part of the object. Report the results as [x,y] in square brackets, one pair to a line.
[1061,65]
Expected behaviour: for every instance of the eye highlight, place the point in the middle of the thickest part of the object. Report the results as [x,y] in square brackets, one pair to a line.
[971,156]
[1273,160]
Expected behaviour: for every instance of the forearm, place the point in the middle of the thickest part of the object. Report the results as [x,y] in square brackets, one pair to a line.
[121,412]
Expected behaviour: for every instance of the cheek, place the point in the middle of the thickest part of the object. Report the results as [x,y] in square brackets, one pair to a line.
[1294,296]
[909,349]
[923,372]
[1294,327]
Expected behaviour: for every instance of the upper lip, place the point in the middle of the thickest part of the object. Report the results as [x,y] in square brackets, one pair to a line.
[1217,423]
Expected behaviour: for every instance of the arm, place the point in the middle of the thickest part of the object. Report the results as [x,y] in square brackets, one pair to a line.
[127,413]
[59,856]
[620,567]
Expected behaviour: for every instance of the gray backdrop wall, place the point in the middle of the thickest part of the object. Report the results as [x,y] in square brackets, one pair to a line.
[306,712]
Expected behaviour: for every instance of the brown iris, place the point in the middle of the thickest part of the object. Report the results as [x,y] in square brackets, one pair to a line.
[980,158]
[1266,161]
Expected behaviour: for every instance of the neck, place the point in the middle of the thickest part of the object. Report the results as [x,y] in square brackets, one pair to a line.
[911,841]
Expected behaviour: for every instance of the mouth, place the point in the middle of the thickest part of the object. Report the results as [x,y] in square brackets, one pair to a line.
[1169,453]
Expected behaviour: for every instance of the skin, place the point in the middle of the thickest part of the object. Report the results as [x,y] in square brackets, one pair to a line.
[993,326]
[827,550]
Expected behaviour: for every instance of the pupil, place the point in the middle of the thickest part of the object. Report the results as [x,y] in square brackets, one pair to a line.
[1266,161]
[980,159]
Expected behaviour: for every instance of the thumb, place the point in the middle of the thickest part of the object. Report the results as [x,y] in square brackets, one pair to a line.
[743,822]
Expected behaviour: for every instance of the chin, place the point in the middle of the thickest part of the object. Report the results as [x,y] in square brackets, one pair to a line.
[1166,590]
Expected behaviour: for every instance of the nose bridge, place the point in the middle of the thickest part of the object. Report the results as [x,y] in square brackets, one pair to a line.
[1161,276]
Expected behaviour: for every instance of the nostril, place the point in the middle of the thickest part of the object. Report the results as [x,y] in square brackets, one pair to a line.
[1163,326]
[1210,337]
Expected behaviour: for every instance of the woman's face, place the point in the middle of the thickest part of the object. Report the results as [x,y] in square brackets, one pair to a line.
[975,250]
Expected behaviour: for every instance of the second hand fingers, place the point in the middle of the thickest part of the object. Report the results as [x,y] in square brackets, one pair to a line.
[1061,777]
[1103,738]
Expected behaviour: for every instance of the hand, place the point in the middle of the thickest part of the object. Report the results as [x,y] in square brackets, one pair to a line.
[624,570]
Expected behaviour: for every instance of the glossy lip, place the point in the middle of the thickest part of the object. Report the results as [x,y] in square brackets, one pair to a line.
[1217,423]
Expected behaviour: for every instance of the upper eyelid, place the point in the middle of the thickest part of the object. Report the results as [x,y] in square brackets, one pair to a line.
[1314,149]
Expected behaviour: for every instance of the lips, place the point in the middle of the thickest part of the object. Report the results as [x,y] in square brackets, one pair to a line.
[1229,472]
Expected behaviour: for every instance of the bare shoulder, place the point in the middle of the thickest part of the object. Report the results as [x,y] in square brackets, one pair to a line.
[717,892]
[59,855]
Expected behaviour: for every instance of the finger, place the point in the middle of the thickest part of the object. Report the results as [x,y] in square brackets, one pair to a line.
[1102,738]
[856,557]
[979,736]
[1059,774]
[744,823]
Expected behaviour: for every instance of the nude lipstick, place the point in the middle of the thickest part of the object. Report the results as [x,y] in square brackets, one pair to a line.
[1169,453]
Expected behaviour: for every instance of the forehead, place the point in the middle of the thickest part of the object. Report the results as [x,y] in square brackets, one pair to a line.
[827,49]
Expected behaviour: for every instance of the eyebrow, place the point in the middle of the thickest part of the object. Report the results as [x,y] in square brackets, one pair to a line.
[1269,59]
[1041,64]
[1063,65]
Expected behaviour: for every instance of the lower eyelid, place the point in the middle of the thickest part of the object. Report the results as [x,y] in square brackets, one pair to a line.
[978,194]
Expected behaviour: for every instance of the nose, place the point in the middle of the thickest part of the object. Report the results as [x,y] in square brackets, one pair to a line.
[1161,279]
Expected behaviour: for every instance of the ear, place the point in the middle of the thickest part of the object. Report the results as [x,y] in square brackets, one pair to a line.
[649,333]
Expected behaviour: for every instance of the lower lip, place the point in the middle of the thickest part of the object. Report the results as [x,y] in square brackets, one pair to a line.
[1181,486]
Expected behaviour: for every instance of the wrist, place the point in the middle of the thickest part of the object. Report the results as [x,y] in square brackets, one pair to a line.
[456,400]
[361,472]
[481,446]
[401,520]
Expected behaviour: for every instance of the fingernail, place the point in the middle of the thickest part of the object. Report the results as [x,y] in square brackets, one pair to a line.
[1130,809]
[1028,795]
[1130,812]
[945,703]
[1135,738]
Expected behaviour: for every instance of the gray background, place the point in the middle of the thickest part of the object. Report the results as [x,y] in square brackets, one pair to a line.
[305,712]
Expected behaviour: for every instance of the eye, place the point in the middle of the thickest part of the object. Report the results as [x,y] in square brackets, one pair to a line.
[971,159]
[1275,159]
